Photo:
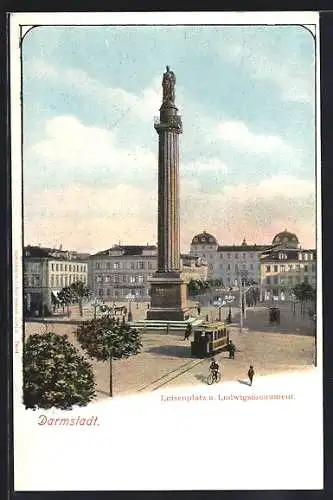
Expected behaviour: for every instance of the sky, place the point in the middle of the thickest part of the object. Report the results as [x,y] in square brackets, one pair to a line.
[246,95]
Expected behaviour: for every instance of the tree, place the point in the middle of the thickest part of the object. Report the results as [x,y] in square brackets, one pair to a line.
[54,374]
[304,292]
[66,297]
[193,287]
[105,339]
[79,291]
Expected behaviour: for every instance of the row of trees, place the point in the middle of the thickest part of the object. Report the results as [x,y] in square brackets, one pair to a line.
[55,374]
[304,293]
[72,294]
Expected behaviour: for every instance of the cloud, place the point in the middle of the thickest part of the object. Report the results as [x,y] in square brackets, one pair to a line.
[68,147]
[114,100]
[237,134]
[94,218]
[295,82]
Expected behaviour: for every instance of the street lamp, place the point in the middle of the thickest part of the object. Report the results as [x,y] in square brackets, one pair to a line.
[243,274]
[130,297]
[95,303]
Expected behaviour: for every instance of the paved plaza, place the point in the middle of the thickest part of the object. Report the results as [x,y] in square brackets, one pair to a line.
[166,361]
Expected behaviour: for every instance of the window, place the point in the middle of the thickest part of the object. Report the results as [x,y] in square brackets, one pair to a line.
[275,269]
[124,278]
[57,267]
[97,266]
[108,291]
[313,268]
[70,267]
[141,265]
[228,255]
[251,255]
[66,280]
[221,255]
[244,266]
[290,280]
[100,292]
[52,280]
[236,255]
[150,265]
[306,279]
[52,267]
[132,265]
[268,280]
[107,279]
[306,269]
[132,279]
[251,267]
[268,269]
[98,279]
[275,280]
[283,268]
[290,267]
[244,256]
[116,278]
[116,265]
[228,267]
[236,267]
[305,256]
[140,279]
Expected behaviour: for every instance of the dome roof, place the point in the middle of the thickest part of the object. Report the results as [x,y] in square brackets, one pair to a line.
[204,239]
[286,239]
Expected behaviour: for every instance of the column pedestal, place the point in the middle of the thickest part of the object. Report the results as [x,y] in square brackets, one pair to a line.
[168,298]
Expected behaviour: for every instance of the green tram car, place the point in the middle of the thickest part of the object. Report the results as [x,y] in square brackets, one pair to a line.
[209,338]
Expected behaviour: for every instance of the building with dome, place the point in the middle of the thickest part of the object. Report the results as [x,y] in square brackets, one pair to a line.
[286,239]
[227,262]
[284,266]
[277,267]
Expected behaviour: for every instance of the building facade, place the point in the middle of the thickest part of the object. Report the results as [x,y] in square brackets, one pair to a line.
[227,263]
[45,272]
[284,266]
[123,272]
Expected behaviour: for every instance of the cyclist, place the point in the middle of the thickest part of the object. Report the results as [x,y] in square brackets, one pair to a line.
[214,368]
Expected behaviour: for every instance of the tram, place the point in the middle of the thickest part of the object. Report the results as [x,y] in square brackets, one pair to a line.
[209,339]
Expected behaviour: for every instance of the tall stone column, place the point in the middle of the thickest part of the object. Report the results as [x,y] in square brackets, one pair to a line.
[168,291]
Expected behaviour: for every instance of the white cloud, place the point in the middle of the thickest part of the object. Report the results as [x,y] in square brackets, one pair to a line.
[205,165]
[115,100]
[68,144]
[94,218]
[237,134]
[295,82]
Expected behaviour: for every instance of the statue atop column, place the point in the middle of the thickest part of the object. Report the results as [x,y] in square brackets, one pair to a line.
[168,84]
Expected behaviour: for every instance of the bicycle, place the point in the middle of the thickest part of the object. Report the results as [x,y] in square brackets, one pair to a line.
[214,376]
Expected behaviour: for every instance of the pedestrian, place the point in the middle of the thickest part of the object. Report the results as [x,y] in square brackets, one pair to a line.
[199,310]
[231,349]
[188,331]
[250,374]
